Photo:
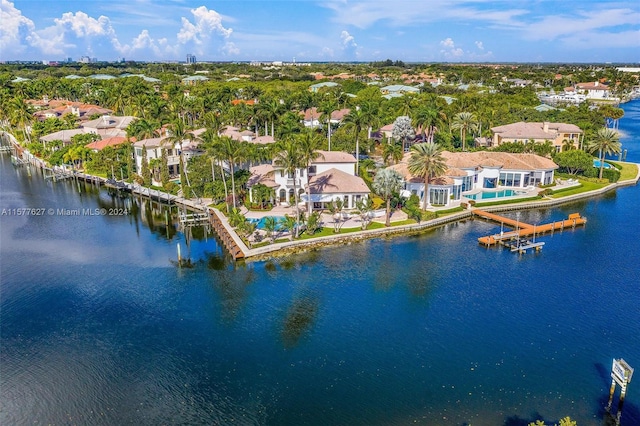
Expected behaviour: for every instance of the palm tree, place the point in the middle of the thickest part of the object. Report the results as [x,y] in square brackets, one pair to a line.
[326,108]
[426,161]
[606,141]
[465,122]
[270,111]
[392,152]
[232,152]
[143,129]
[20,115]
[270,226]
[386,183]
[567,145]
[426,119]
[289,223]
[289,157]
[308,143]
[357,118]
[179,134]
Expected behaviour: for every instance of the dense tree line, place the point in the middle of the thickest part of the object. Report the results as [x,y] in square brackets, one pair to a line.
[270,101]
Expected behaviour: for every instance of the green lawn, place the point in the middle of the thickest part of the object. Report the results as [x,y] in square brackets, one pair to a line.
[585,187]
[497,203]
[373,225]
[440,213]
[627,171]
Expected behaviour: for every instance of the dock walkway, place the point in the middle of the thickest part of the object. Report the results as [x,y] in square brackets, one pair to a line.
[525,229]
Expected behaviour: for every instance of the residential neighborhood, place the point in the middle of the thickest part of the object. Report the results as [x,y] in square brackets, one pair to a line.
[321,144]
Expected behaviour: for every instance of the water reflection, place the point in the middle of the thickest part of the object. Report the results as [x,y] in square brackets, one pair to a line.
[299,319]
[231,284]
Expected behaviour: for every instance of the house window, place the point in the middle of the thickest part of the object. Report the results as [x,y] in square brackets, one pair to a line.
[509,179]
[346,202]
[467,183]
[489,183]
[283,195]
[438,196]
[312,170]
[290,175]
[457,191]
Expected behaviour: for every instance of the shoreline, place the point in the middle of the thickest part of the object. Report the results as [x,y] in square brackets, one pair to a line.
[288,248]
[232,242]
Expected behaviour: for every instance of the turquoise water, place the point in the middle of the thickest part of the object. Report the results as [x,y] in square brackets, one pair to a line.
[99,326]
[260,222]
[484,195]
[596,163]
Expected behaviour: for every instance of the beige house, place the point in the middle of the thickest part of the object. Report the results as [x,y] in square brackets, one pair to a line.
[330,176]
[523,132]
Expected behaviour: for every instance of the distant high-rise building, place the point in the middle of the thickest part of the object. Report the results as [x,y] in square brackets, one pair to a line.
[191,59]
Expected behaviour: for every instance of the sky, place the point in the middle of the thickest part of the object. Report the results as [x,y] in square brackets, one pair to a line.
[592,31]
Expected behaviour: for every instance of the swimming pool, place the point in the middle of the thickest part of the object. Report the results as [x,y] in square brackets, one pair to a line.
[260,222]
[596,163]
[485,195]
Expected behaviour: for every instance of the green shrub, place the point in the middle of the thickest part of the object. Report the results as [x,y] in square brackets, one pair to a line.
[613,175]
[171,188]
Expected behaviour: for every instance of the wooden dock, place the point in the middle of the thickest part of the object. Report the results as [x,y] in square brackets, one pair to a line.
[525,229]
[227,235]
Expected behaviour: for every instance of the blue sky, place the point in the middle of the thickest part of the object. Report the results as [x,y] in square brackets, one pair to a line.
[329,30]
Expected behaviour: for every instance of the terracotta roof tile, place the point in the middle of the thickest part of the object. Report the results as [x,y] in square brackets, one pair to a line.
[334,181]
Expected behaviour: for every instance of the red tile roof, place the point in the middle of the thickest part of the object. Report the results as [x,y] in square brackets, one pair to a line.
[112,142]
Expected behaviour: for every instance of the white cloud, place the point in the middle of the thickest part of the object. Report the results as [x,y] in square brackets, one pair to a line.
[74,31]
[83,25]
[205,24]
[347,40]
[450,51]
[479,45]
[230,49]
[14,29]
[349,45]
[409,12]
[447,43]
[580,22]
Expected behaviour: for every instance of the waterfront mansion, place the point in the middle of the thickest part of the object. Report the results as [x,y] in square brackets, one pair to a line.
[469,173]
[559,134]
[329,177]
[155,146]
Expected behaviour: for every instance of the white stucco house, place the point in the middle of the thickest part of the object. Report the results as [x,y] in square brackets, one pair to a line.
[472,173]
[155,146]
[591,90]
[329,177]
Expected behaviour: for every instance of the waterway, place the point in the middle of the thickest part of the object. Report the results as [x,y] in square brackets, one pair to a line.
[98,325]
